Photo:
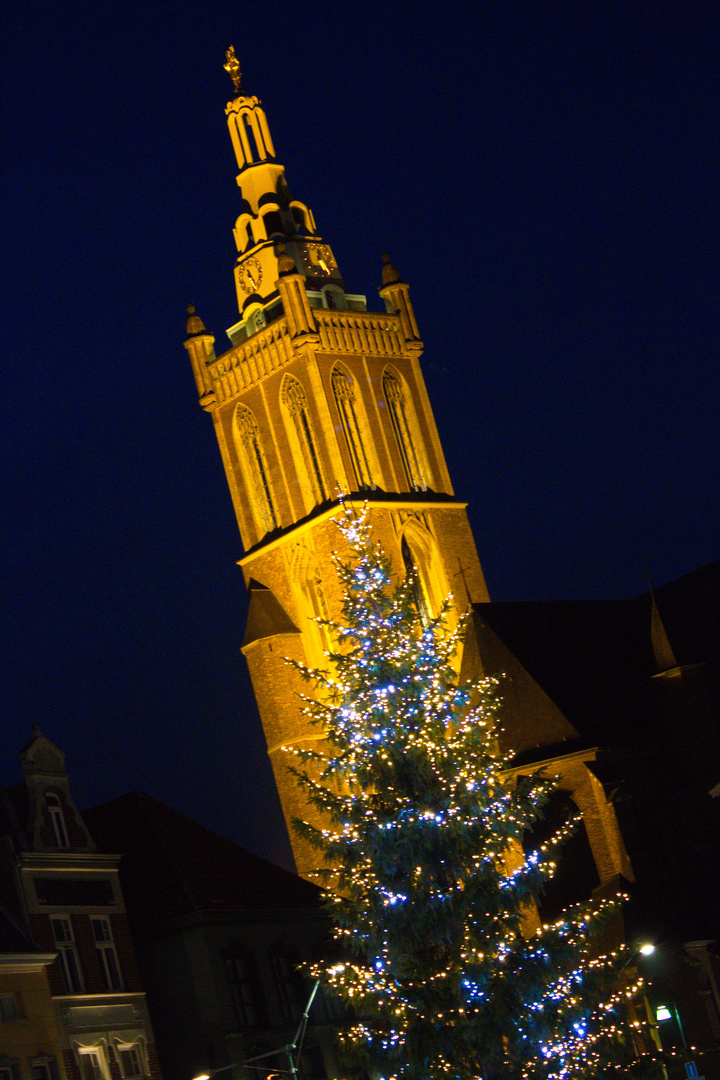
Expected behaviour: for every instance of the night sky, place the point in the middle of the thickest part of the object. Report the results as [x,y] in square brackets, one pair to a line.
[543,174]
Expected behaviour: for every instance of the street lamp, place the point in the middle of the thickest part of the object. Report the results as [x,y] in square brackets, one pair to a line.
[292,1050]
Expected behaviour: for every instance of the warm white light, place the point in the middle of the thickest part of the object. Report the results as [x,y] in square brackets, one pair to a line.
[331,971]
[648,949]
[203,1076]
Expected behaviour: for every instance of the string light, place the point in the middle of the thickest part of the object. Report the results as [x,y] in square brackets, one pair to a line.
[422,841]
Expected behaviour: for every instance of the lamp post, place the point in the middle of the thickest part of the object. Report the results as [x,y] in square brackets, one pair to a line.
[292,1050]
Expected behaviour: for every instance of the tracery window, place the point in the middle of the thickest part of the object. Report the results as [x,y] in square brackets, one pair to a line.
[294,400]
[395,397]
[413,575]
[249,435]
[344,391]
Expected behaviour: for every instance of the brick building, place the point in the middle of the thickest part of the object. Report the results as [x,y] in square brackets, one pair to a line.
[219,934]
[65,898]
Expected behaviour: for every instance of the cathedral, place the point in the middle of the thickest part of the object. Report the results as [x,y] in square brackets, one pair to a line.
[319,400]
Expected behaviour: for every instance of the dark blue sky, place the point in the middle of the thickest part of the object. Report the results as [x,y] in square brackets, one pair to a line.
[545,177]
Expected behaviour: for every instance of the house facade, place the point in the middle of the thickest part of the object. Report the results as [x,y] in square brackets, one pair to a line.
[66,899]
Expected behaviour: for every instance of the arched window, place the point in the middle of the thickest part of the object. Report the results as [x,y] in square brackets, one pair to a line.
[343,386]
[576,875]
[273,223]
[413,575]
[294,400]
[424,567]
[312,605]
[55,812]
[255,467]
[399,414]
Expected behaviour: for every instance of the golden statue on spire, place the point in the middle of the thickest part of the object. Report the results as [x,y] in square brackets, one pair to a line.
[232,66]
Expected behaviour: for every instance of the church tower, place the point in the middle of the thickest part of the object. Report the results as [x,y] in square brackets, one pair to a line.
[317,399]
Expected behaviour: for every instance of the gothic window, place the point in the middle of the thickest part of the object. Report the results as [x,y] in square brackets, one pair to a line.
[106,953]
[294,400]
[256,468]
[400,416]
[344,390]
[413,575]
[55,812]
[576,875]
[312,605]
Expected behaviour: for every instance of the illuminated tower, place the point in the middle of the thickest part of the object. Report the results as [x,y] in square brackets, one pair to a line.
[317,398]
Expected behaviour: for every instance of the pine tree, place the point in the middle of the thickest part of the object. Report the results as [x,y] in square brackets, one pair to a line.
[431,889]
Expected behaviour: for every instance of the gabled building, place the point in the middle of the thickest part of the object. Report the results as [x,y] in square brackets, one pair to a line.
[66,898]
[219,933]
[30,1043]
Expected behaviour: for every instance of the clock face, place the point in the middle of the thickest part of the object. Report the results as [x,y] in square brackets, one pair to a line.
[250,275]
[321,255]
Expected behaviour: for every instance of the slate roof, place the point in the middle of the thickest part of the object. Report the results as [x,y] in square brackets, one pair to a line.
[173,866]
[595,658]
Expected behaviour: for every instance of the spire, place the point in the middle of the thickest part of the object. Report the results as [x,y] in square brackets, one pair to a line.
[199,344]
[390,275]
[396,295]
[195,324]
[270,215]
[662,650]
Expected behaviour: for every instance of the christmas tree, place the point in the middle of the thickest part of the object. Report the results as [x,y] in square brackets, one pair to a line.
[431,890]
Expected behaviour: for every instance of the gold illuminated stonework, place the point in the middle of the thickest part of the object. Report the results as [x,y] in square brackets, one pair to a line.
[232,66]
[319,398]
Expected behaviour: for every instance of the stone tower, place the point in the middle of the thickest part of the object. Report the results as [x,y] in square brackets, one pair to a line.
[318,398]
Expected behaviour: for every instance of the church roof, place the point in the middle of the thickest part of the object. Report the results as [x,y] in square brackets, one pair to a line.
[595,659]
[266,616]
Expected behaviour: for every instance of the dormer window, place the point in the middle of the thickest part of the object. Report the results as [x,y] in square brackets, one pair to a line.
[55,812]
